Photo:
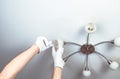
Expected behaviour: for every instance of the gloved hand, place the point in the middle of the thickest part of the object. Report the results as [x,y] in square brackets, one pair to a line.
[57,55]
[43,43]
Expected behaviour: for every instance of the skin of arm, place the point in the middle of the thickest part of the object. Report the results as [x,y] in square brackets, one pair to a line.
[17,64]
[57,74]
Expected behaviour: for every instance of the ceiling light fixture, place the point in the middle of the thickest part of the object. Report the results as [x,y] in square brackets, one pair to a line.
[88,48]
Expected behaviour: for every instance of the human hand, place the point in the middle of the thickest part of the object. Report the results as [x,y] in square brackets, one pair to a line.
[42,43]
[57,54]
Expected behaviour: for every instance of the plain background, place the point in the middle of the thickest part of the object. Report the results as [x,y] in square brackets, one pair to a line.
[21,21]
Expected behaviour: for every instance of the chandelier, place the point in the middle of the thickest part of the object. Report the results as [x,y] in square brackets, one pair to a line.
[89,48]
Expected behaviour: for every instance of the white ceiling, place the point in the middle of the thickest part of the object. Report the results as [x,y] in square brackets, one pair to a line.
[21,21]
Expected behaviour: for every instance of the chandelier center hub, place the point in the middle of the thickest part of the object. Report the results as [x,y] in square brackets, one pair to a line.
[87,49]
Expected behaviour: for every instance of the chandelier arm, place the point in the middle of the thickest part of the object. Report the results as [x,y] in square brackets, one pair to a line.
[66,58]
[86,63]
[108,60]
[104,42]
[88,38]
[65,43]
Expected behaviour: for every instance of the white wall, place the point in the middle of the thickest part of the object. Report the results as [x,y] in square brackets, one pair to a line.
[21,21]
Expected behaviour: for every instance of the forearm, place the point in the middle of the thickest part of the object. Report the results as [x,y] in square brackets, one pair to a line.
[17,64]
[57,74]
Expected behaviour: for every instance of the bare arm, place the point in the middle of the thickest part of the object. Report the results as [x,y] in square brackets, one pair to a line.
[17,64]
[57,74]
[58,60]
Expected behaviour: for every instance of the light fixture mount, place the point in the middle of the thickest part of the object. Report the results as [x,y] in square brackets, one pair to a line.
[87,49]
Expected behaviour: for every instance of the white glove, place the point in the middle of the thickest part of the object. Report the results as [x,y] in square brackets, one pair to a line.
[42,43]
[57,57]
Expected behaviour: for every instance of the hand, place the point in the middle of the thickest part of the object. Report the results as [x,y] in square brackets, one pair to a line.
[42,43]
[57,55]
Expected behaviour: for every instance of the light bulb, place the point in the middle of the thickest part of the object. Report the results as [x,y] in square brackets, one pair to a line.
[86,73]
[58,44]
[90,28]
[117,41]
[114,65]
